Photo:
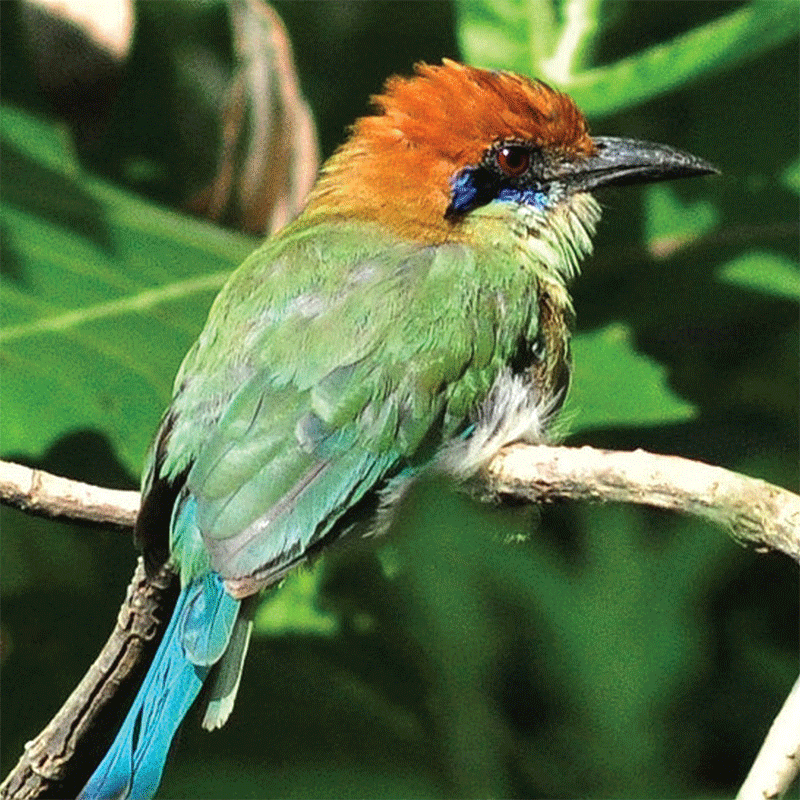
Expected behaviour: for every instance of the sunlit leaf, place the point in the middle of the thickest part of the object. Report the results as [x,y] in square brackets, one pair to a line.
[527,37]
[670,224]
[512,34]
[721,44]
[791,176]
[293,608]
[769,273]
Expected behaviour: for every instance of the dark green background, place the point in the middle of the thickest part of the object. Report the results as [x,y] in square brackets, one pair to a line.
[614,651]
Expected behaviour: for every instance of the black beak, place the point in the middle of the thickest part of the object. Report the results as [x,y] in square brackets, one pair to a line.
[621,162]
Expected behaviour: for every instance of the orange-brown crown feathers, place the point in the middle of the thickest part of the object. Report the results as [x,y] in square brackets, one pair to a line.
[397,166]
[459,111]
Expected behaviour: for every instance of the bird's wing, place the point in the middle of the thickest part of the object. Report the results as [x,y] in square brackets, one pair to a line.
[333,360]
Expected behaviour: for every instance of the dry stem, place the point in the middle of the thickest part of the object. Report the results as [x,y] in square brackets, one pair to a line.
[750,509]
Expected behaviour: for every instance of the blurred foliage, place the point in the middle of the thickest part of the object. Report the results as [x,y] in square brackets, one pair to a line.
[562,43]
[481,651]
[103,295]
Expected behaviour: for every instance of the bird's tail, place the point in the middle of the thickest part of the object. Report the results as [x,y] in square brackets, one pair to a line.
[197,636]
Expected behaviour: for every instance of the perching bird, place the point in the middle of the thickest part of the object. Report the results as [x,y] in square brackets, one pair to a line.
[415,313]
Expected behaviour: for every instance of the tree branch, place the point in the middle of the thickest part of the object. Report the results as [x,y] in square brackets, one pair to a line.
[61,758]
[46,495]
[752,510]
[778,761]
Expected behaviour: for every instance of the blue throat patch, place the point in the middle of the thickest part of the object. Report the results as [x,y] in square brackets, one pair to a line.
[530,196]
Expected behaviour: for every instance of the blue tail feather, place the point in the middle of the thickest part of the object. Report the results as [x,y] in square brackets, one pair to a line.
[133,765]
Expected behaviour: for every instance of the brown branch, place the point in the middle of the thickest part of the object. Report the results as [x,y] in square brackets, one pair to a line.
[59,760]
[754,511]
[46,495]
[268,157]
[751,510]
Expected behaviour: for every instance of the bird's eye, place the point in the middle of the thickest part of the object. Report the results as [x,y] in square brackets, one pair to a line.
[513,160]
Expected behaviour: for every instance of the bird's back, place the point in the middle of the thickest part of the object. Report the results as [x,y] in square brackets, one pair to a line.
[335,358]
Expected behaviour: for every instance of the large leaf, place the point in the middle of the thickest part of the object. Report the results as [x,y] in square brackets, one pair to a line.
[615,385]
[103,293]
[551,40]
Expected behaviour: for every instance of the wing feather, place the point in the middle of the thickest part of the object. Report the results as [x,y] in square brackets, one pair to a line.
[332,360]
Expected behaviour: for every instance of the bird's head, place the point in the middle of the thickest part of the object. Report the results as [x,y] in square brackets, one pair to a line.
[453,139]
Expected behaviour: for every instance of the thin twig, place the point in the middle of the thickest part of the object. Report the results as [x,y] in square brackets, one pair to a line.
[778,761]
[59,760]
[46,495]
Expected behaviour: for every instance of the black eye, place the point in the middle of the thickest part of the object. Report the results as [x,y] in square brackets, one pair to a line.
[513,160]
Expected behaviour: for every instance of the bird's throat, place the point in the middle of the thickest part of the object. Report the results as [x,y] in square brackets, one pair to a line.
[550,243]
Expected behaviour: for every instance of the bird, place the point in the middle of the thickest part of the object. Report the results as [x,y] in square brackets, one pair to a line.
[414,316]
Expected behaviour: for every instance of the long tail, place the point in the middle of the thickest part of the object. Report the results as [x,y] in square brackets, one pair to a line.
[197,636]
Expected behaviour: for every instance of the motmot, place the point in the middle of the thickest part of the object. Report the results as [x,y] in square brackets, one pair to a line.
[415,315]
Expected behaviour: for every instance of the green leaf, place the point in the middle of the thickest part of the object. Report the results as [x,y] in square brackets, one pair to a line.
[716,46]
[103,293]
[615,385]
[671,224]
[791,176]
[525,37]
[443,540]
[500,35]
[765,272]
[56,556]
[325,776]
[294,608]
[622,640]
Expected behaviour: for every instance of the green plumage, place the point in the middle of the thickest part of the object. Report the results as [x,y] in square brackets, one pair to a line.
[335,358]
[415,314]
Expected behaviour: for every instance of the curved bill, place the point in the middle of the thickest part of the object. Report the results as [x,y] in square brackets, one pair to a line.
[621,162]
